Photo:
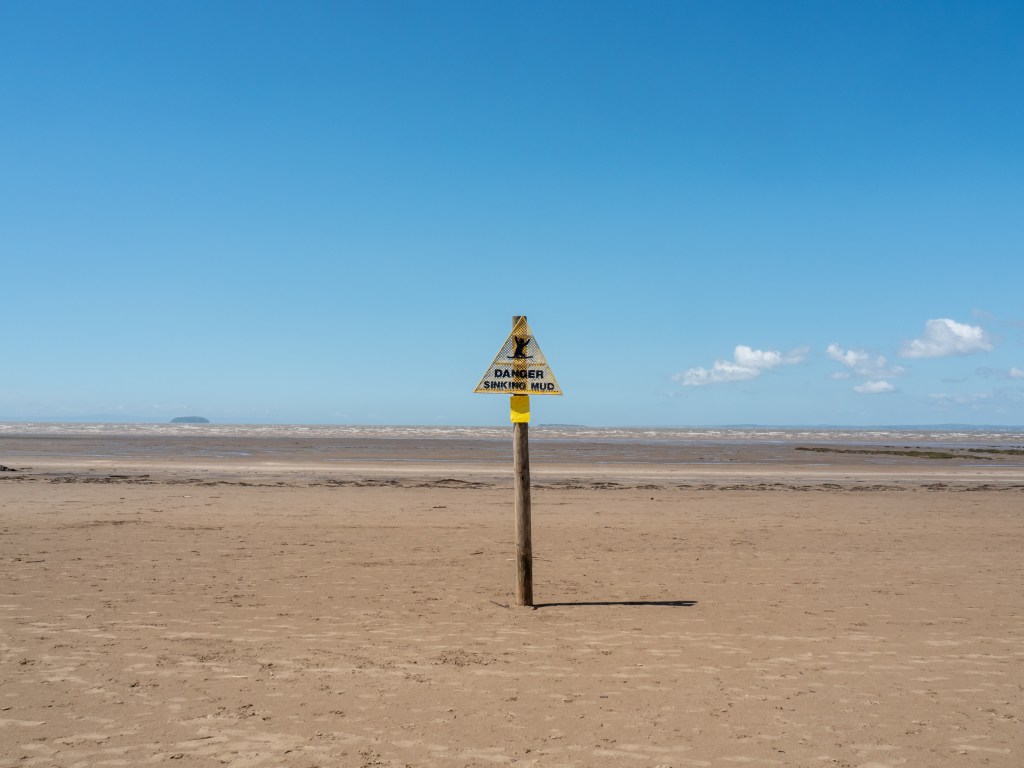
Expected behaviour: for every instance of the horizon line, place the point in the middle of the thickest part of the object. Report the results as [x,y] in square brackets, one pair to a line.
[111,420]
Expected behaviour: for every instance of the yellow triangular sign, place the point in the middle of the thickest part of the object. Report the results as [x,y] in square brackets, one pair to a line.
[519,368]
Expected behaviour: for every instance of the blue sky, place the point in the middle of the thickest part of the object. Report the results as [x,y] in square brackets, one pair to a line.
[712,213]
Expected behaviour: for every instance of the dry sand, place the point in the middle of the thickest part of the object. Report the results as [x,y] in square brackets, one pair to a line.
[348,606]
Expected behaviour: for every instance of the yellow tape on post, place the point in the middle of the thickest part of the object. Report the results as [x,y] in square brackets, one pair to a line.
[520,409]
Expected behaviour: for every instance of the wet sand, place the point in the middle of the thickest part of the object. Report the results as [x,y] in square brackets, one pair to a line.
[246,602]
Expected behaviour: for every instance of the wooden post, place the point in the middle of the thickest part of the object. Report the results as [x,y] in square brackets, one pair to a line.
[524,535]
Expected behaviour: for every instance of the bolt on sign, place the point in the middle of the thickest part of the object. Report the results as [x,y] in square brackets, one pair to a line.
[519,368]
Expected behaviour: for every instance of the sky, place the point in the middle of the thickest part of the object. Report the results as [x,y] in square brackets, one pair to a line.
[792,213]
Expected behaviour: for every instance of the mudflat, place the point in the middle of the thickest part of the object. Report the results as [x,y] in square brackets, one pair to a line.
[247,601]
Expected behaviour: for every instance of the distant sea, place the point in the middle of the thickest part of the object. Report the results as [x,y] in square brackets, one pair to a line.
[951,435]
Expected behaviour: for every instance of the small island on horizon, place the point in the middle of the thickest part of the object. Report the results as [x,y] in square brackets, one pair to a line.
[190,420]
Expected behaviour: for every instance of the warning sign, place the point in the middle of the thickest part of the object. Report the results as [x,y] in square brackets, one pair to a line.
[519,368]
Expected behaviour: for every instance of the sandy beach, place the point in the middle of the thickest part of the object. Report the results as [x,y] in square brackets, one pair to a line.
[345,601]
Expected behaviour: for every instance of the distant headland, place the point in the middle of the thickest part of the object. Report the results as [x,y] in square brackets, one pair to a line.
[190,420]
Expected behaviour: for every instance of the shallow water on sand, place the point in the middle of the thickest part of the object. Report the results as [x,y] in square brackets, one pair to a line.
[950,437]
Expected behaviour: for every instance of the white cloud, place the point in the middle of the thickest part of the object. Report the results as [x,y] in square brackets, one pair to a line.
[861,363]
[874,388]
[945,337]
[747,364]
[850,358]
[1005,399]
[765,359]
[722,371]
[947,401]
[1000,373]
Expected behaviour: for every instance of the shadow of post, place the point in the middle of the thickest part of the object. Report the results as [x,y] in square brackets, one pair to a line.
[658,603]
